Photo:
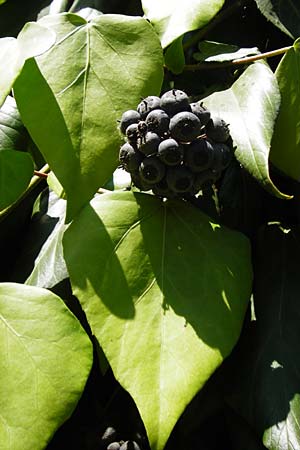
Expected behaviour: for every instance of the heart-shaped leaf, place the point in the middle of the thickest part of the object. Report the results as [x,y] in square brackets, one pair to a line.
[173,18]
[45,361]
[33,40]
[118,60]
[250,108]
[16,170]
[164,291]
[285,149]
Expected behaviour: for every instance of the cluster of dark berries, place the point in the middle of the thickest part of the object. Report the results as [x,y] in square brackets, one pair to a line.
[174,147]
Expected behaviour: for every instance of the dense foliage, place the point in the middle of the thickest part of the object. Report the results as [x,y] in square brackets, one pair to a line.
[149,216]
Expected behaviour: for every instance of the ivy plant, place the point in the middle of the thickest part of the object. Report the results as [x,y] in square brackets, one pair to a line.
[130,319]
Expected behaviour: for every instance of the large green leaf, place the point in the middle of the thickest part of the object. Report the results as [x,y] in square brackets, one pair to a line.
[13,134]
[16,170]
[266,390]
[45,361]
[164,291]
[250,108]
[118,60]
[33,40]
[284,15]
[285,150]
[173,18]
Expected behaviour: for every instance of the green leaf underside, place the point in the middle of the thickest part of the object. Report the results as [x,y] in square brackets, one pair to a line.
[283,14]
[250,108]
[33,40]
[118,61]
[16,170]
[285,149]
[174,56]
[266,392]
[45,361]
[210,51]
[173,18]
[134,273]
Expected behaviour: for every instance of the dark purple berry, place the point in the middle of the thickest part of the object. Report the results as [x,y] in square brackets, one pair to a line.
[158,121]
[129,157]
[148,144]
[222,156]
[132,133]
[162,189]
[175,101]
[148,104]
[179,179]
[129,117]
[152,170]
[185,127]
[217,130]
[199,155]
[201,112]
[138,182]
[205,179]
[170,152]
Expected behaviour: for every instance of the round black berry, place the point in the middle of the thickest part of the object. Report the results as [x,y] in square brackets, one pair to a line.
[162,189]
[222,156]
[138,182]
[149,143]
[151,170]
[179,179]
[132,133]
[148,104]
[205,179]
[130,445]
[109,435]
[217,130]
[129,117]
[175,101]
[170,152]
[201,112]
[158,121]
[129,157]
[199,155]
[185,126]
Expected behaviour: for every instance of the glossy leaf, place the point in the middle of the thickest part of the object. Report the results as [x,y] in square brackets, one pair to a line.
[250,108]
[164,291]
[13,134]
[266,392]
[16,170]
[285,150]
[118,60]
[210,51]
[284,15]
[173,18]
[33,40]
[45,361]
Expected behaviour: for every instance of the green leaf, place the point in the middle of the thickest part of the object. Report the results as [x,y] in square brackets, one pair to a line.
[164,291]
[16,170]
[210,51]
[118,60]
[285,149]
[172,18]
[250,108]
[33,40]
[174,56]
[45,361]
[13,134]
[266,392]
[284,15]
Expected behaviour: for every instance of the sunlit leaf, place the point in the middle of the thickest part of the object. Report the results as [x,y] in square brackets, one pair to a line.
[164,291]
